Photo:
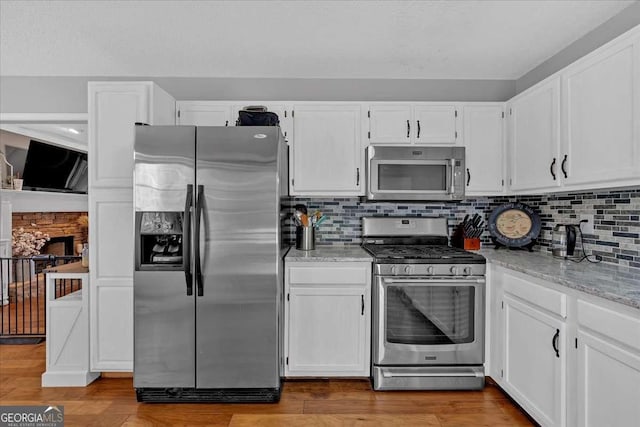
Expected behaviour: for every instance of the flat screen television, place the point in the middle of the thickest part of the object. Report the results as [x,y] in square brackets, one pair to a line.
[52,168]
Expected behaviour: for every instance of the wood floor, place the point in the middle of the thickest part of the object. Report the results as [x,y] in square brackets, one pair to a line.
[322,403]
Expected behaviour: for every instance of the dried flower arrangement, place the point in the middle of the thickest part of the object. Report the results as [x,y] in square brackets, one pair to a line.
[83,221]
[27,243]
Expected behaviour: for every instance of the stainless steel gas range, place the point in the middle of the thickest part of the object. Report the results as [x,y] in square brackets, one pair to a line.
[428,306]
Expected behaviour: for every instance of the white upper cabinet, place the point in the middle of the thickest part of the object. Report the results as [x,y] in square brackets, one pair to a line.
[417,123]
[601,115]
[390,123]
[436,124]
[204,113]
[225,113]
[326,157]
[534,138]
[114,108]
[580,128]
[484,142]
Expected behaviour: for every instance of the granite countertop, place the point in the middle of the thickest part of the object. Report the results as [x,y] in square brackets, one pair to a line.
[329,253]
[608,281]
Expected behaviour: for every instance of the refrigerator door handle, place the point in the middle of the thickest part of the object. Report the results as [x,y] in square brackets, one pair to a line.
[186,240]
[196,247]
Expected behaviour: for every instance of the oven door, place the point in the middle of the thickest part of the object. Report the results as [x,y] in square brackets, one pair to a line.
[428,321]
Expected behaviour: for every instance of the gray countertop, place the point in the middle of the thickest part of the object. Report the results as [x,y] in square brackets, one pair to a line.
[619,284]
[329,254]
[611,282]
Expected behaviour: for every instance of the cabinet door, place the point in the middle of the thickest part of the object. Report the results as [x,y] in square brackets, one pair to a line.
[327,152]
[327,327]
[204,114]
[608,383]
[435,124]
[601,102]
[534,374]
[111,279]
[390,123]
[483,139]
[114,108]
[534,138]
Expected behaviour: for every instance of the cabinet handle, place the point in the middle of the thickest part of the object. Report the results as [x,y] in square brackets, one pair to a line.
[468,177]
[552,168]
[564,162]
[357,176]
[362,300]
[418,128]
[408,129]
[554,342]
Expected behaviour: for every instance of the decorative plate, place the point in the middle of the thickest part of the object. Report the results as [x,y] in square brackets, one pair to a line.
[514,225]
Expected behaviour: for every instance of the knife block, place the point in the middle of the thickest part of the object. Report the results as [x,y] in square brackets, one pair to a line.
[458,240]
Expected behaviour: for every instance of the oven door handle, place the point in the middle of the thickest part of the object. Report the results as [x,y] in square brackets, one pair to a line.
[432,374]
[445,281]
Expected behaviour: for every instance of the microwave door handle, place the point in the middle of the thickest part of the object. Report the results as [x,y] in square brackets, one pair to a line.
[452,190]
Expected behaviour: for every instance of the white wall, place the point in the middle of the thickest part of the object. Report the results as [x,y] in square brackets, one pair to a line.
[12,139]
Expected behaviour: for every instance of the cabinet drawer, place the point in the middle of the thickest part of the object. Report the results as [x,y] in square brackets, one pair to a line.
[324,274]
[618,326]
[553,301]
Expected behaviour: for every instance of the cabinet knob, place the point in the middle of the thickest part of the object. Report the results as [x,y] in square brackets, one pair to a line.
[454,270]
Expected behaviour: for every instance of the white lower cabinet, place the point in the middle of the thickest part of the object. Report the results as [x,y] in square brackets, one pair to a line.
[327,319]
[534,371]
[528,354]
[566,358]
[608,373]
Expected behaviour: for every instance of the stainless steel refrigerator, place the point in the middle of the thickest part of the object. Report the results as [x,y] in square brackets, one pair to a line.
[208,263]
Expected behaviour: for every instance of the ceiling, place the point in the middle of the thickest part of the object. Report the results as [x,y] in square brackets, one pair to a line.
[291,39]
[72,135]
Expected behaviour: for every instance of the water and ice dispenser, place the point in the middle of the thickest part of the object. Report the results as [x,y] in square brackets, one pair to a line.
[159,244]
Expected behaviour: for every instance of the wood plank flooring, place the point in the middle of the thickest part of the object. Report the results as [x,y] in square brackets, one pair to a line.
[317,403]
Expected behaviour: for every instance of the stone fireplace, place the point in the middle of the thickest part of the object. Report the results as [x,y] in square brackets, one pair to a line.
[66,230]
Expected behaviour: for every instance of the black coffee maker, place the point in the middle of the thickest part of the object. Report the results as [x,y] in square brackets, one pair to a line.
[563,240]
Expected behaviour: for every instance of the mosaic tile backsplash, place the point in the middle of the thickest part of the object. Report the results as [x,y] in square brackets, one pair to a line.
[616,237]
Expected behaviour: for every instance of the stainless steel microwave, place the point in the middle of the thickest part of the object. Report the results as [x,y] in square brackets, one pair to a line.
[415,173]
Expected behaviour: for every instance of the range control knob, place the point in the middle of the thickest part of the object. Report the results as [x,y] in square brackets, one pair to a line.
[407,269]
[454,270]
[394,270]
[466,271]
[430,270]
